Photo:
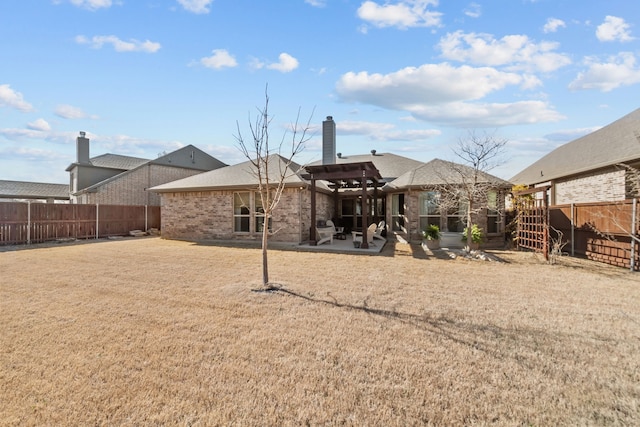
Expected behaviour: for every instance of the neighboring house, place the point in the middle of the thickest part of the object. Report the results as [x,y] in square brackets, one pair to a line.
[224,203]
[122,180]
[38,191]
[586,169]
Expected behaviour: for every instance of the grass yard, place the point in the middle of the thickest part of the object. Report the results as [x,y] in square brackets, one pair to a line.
[156,332]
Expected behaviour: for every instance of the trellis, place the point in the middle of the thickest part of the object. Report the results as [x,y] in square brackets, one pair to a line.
[533,220]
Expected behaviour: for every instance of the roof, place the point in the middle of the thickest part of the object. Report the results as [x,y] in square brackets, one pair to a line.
[389,165]
[608,146]
[241,175]
[113,161]
[441,172]
[33,190]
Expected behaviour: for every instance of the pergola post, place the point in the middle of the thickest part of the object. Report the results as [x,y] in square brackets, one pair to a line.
[312,229]
[365,213]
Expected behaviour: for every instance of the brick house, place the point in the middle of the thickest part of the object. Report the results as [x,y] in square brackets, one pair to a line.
[586,169]
[122,180]
[223,204]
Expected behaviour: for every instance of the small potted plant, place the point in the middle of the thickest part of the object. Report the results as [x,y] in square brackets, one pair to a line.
[431,235]
[476,236]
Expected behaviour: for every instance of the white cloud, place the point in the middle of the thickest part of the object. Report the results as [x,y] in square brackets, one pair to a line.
[437,83]
[553,24]
[286,63]
[219,60]
[473,115]
[515,51]
[384,131]
[133,45]
[613,29]
[196,6]
[565,135]
[40,125]
[69,112]
[316,3]
[91,4]
[402,14]
[11,98]
[445,94]
[619,70]
[474,10]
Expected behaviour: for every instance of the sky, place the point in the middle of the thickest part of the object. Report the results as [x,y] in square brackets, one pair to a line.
[410,77]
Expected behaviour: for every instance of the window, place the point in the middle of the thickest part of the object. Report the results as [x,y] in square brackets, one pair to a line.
[456,216]
[492,211]
[397,212]
[259,214]
[429,209]
[241,211]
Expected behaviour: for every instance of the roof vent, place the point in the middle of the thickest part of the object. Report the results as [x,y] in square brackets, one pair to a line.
[339,155]
[373,152]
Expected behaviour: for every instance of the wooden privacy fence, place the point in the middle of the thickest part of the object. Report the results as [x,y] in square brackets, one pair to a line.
[24,223]
[606,232]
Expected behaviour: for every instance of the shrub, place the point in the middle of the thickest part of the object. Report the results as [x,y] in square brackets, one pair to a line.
[476,234]
[432,232]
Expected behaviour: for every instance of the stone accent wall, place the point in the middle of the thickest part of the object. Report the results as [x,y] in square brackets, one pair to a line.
[603,186]
[130,188]
[208,215]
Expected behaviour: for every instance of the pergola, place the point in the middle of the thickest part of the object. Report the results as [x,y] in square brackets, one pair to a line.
[345,175]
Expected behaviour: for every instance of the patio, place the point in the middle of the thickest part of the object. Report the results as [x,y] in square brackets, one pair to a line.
[345,245]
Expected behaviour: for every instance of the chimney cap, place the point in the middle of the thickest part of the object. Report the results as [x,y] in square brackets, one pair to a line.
[329,117]
[83,133]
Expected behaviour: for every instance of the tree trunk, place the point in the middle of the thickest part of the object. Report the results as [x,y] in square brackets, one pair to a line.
[469,225]
[265,266]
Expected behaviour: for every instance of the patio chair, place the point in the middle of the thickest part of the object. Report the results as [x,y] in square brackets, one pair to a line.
[380,228]
[338,232]
[371,233]
[324,234]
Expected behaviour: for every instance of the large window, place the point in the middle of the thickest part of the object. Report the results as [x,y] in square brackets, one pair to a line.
[241,211]
[456,215]
[259,214]
[492,212]
[429,209]
[397,212]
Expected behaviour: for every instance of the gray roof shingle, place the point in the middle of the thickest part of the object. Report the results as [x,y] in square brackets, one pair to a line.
[33,190]
[236,176]
[610,145]
[441,172]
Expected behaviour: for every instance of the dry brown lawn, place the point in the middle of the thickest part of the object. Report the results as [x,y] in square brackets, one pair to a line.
[156,332]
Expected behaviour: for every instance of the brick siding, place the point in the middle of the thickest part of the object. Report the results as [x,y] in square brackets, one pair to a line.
[208,215]
[607,186]
[130,188]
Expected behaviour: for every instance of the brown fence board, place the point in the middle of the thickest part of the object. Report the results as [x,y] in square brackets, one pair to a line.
[63,221]
[598,231]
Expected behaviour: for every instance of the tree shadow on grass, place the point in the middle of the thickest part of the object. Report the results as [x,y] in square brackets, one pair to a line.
[524,343]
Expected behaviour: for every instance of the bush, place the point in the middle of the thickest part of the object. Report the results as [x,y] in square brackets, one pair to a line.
[476,234]
[432,232]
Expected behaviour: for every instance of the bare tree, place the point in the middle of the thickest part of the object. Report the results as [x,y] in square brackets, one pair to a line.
[470,182]
[271,167]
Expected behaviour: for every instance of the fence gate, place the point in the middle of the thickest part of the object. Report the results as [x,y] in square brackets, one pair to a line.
[533,219]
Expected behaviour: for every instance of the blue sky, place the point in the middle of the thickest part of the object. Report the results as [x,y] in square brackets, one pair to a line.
[411,77]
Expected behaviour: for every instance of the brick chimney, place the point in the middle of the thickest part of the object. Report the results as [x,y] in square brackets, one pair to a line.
[82,148]
[328,141]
